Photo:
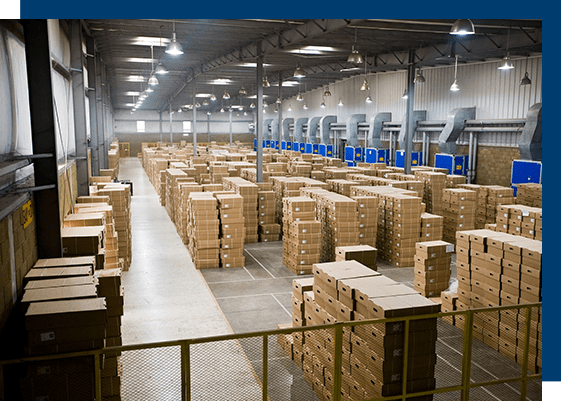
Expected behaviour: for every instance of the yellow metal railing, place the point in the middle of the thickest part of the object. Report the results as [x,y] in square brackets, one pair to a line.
[186,347]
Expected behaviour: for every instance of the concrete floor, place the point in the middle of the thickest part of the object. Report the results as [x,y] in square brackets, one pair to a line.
[166,298]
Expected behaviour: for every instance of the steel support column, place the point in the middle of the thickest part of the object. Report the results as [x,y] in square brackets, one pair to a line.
[100,113]
[410,129]
[194,123]
[279,120]
[92,93]
[43,137]
[170,126]
[259,121]
[161,128]
[230,124]
[79,100]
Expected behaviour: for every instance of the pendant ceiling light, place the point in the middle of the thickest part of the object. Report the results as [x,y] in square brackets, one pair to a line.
[462,27]
[265,104]
[243,91]
[153,81]
[252,105]
[326,92]
[213,97]
[180,110]
[506,63]
[226,95]
[197,105]
[278,101]
[368,99]
[365,86]
[299,72]
[322,105]
[266,83]
[455,87]
[161,68]
[299,97]
[205,102]
[305,107]
[222,110]
[289,108]
[526,79]
[405,95]
[419,78]
[355,56]
[174,48]
[340,102]
[149,90]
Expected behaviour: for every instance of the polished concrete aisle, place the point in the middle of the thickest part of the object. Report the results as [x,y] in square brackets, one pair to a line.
[166,298]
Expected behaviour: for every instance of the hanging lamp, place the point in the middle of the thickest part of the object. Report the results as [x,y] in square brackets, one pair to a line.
[161,69]
[174,48]
[152,81]
[526,79]
[355,56]
[462,27]
[455,87]
[506,63]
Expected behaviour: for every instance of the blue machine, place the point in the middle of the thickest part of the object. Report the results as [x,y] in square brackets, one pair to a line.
[284,145]
[302,147]
[324,150]
[275,144]
[267,144]
[353,155]
[456,164]
[374,155]
[309,148]
[525,171]
[315,148]
[295,146]
[416,158]
[329,151]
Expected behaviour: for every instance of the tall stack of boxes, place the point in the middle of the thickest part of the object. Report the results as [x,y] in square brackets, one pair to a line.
[339,223]
[529,194]
[496,196]
[232,230]
[183,214]
[496,269]
[522,220]
[459,212]
[301,234]
[203,230]
[432,267]
[249,193]
[481,192]
[432,227]
[367,207]
[372,354]
[403,227]
[269,230]
[435,183]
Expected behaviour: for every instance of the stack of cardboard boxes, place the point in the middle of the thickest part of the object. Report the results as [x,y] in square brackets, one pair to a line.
[449,300]
[432,227]
[372,354]
[364,254]
[459,212]
[217,172]
[434,184]
[432,267]
[182,216]
[339,218]
[529,194]
[367,219]
[249,193]
[520,220]
[203,230]
[301,234]
[232,229]
[403,228]
[494,269]
[268,229]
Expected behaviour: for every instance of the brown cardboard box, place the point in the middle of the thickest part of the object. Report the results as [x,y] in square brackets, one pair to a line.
[79,312]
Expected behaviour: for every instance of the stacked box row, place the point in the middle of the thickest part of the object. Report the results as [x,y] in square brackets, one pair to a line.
[432,267]
[458,211]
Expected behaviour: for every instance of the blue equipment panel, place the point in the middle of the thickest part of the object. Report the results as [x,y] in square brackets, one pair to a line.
[525,171]
[375,155]
[267,144]
[349,154]
[322,149]
[302,147]
[359,154]
[295,146]
[456,164]
[315,148]
[284,145]
[329,152]
[309,148]
[255,144]
[416,158]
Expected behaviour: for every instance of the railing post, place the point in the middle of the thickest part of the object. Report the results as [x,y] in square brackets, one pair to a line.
[524,384]
[337,362]
[97,368]
[265,366]
[405,356]
[185,372]
[466,363]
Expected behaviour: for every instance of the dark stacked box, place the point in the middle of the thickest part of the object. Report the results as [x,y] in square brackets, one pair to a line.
[432,267]
[203,230]
[403,227]
[268,229]
[432,227]
[232,229]
[364,254]
[367,207]
[301,234]
[458,212]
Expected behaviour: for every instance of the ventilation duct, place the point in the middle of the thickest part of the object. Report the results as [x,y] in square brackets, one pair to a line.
[455,124]
[266,126]
[352,129]
[313,129]
[299,129]
[285,130]
[531,140]
[324,127]
[375,131]
[275,130]
[418,115]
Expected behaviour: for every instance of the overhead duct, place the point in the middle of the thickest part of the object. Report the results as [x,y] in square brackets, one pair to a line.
[455,124]
[266,126]
[299,129]
[275,130]
[531,140]
[285,130]
[418,115]
[352,128]
[324,127]
[375,131]
[313,129]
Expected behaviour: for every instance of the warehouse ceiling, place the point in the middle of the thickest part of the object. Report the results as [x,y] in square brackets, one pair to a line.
[221,55]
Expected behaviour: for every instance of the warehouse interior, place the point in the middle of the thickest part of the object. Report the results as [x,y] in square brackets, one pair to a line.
[209,208]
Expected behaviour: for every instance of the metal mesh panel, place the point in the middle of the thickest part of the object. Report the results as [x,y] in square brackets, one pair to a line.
[151,374]
[449,354]
[227,370]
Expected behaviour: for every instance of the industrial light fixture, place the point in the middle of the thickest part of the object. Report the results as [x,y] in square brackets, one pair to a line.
[365,86]
[326,92]
[419,78]
[161,68]
[153,81]
[222,110]
[405,95]
[278,101]
[245,113]
[526,79]
[462,27]
[213,97]
[506,63]
[299,72]
[368,99]
[149,90]
[174,48]
[305,107]
[266,83]
[205,102]
[208,113]
[340,102]
[355,56]
[252,105]
[265,104]
[289,108]
[226,95]
[455,87]
[243,91]
[197,105]
[322,105]
[180,110]
[299,97]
